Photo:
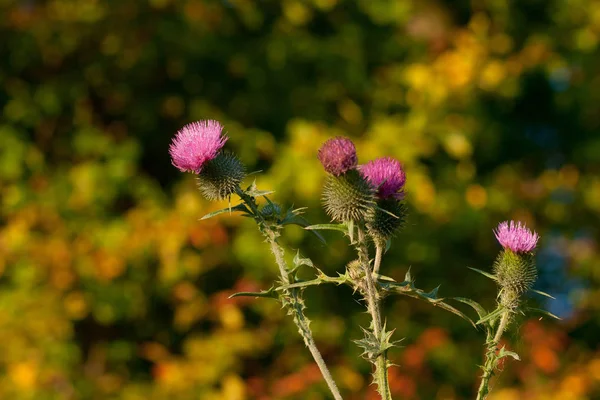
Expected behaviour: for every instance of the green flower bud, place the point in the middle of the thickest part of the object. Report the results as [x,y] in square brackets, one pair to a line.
[271,211]
[348,197]
[516,274]
[220,176]
[388,218]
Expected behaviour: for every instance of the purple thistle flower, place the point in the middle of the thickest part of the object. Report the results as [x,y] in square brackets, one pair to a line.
[338,155]
[516,237]
[195,144]
[387,175]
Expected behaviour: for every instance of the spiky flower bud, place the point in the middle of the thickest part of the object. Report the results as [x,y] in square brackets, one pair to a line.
[387,176]
[196,144]
[515,271]
[348,197]
[338,155]
[220,176]
[388,218]
[355,270]
[515,268]
[271,211]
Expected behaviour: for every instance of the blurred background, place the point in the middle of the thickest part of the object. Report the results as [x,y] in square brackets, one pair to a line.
[110,287]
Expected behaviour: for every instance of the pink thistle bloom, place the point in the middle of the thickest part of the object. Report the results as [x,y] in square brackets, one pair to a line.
[338,155]
[195,144]
[516,237]
[387,175]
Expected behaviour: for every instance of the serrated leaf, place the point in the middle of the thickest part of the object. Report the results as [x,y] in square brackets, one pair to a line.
[299,261]
[239,207]
[254,192]
[543,294]
[265,293]
[433,294]
[476,306]
[407,289]
[330,227]
[507,353]
[491,316]
[487,274]
[314,282]
[543,312]
[350,226]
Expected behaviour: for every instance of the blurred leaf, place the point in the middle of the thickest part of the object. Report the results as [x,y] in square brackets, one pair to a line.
[239,207]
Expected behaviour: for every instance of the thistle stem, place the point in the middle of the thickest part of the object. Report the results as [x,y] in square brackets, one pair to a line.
[373,299]
[491,358]
[378,255]
[296,302]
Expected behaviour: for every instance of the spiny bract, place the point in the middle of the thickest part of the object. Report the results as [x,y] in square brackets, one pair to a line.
[348,197]
[221,176]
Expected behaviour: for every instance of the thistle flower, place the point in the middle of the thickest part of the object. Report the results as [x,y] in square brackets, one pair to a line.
[516,237]
[338,155]
[515,268]
[196,144]
[387,176]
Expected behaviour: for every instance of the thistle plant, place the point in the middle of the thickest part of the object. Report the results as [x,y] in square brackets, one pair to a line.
[515,273]
[197,148]
[367,204]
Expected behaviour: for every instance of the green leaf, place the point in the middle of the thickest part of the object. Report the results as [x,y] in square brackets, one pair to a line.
[350,227]
[265,293]
[543,312]
[491,316]
[299,261]
[239,207]
[476,306]
[407,288]
[388,245]
[492,277]
[254,192]
[314,282]
[433,294]
[330,227]
[543,293]
[507,353]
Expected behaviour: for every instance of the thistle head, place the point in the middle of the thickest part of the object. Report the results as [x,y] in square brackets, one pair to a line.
[338,155]
[196,144]
[220,176]
[348,197]
[388,218]
[516,274]
[515,268]
[387,176]
[516,237]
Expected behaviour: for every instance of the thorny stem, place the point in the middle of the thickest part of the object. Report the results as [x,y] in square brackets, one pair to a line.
[296,302]
[372,297]
[491,357]
[378,254]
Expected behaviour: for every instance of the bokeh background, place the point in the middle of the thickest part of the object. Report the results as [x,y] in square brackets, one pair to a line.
[110,287]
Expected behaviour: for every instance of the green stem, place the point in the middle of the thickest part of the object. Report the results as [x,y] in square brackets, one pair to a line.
[296,302]
[378,255]
[373,299]
[491,357]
